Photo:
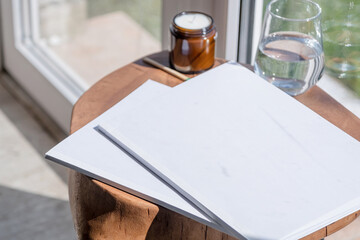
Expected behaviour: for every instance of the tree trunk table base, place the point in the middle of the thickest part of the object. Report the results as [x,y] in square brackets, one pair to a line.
[104,212]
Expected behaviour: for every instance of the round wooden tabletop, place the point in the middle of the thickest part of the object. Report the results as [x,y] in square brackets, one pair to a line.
[104,212]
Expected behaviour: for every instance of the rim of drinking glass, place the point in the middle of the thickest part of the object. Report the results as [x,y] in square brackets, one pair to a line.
[268,9]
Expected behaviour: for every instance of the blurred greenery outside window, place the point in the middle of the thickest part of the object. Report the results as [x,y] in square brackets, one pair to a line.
[146,13]
[341,39]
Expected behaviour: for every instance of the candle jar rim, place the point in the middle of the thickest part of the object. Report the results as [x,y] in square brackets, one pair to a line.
[186,31]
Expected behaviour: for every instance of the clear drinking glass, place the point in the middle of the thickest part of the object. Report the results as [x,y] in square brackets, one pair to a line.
[290,53]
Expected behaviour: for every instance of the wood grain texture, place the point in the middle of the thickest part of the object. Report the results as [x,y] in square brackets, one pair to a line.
[103,212]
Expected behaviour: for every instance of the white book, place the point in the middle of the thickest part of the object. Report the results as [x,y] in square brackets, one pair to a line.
[257,161]
[89,152]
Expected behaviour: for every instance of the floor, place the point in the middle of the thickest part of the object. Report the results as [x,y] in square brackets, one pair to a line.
[33,191]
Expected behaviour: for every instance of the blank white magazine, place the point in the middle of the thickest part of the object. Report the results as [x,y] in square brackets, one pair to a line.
[257,161]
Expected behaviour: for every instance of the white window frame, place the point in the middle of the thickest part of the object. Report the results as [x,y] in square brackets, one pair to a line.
[42,75]
[250,29]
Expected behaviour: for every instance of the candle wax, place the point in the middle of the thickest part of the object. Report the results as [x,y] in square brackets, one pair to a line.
[192,21]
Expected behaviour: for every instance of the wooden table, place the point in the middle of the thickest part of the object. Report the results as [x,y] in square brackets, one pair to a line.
[103,212]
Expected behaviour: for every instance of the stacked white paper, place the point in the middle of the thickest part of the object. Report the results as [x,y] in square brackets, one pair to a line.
[89,152]
[258,162]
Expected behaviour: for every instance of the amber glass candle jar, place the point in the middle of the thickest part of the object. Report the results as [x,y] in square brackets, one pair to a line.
[193,37]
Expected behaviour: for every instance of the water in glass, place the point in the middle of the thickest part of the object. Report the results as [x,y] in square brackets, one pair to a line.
[292,61]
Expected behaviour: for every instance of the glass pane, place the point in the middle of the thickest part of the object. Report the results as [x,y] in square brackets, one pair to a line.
[96,37]
[341,30]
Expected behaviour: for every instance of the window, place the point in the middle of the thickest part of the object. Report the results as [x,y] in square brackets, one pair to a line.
[56,49]
[94,37]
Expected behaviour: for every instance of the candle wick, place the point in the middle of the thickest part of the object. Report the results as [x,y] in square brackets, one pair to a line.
[193,19]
